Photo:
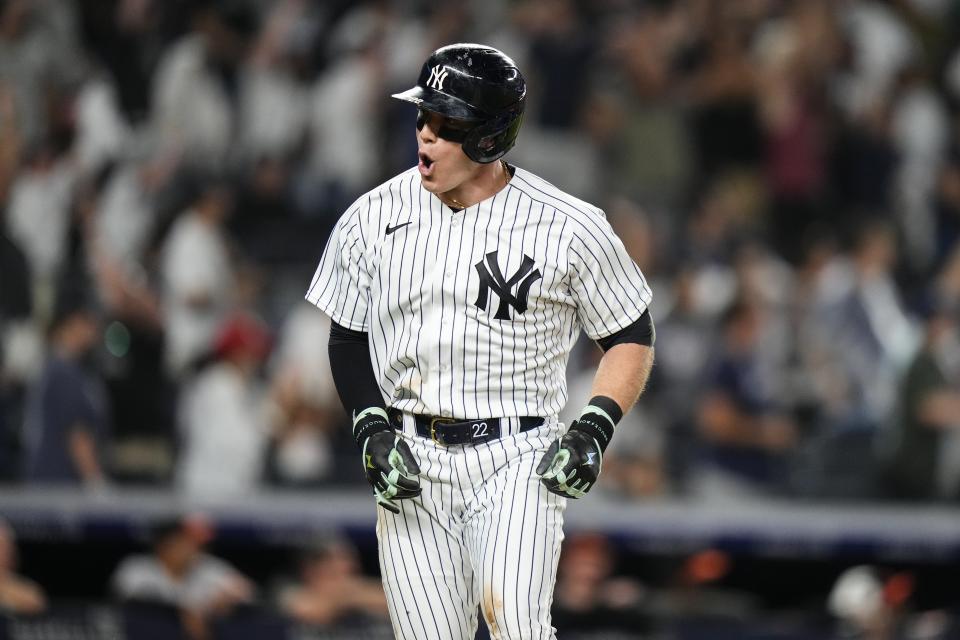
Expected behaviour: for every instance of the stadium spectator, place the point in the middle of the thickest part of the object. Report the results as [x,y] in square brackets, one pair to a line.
[860,600]
[745,434]
[700,594]
[867,320]
[39,217]
[198,277]
[65,427]
[331,588]
[304,448]
[560,53]
[878,603]
[123,222]
[920,131]
[18,595]
[273,103]
[179,573]
[824,387]
[725,126]
[126,219]
[590,597]
[197,85]
[10,139]
[343,160]
[684,340]
[225,416]
[948,208]
[794,57]
[20,350]
[37,59]
[924,438]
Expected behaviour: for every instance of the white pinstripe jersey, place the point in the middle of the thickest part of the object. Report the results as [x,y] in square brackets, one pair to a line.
[473,313]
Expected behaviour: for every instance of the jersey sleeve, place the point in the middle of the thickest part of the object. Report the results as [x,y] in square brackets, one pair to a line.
[340,287]
[607,285]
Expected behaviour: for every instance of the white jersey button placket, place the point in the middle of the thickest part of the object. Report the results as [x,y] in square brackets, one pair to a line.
[443,309]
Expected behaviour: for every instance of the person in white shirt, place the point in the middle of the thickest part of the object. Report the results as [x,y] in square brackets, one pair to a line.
[225,417]
[198,278]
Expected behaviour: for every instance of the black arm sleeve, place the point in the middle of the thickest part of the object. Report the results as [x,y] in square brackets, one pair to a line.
[640,332]
[352,369]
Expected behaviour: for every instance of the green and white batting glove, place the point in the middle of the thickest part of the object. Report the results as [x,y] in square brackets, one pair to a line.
[387,460]
[571,465]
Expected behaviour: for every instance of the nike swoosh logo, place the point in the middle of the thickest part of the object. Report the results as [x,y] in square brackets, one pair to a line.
[399,226]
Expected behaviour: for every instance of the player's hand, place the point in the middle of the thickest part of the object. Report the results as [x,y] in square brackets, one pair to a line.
[390,468]
[571,465]
[387,460]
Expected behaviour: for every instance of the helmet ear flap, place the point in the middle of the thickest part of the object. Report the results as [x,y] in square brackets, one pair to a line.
[480,142]
[491,140]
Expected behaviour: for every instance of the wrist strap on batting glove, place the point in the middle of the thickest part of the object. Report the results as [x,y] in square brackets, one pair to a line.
[572,463]
[368,422]
[598,420]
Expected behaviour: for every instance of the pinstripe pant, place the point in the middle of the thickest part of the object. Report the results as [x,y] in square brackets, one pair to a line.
[483,532]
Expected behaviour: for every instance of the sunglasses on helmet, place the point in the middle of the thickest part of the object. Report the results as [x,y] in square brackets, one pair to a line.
[451,130]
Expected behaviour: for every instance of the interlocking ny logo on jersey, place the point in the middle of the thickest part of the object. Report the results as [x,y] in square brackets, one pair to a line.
[437,75]
[492,278]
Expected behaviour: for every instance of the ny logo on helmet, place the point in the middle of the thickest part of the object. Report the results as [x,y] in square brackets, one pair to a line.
[437,75]
[492,278]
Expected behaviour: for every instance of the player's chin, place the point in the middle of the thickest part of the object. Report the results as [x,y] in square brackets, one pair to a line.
[432,183]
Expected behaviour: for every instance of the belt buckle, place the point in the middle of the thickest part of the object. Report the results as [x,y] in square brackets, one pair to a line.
[433,428]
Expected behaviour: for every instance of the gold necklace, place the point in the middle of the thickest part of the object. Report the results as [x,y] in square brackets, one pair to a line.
[456,203]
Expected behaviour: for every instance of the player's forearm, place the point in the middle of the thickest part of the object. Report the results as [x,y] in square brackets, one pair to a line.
[352,370]
[939,409]
[83,450]
[623,373]
[572,463]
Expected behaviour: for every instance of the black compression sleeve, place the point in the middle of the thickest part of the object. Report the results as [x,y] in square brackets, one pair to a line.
[640,332]
[339,334]
[352,369]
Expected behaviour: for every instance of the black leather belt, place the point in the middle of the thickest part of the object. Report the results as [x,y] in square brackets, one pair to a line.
[449,431]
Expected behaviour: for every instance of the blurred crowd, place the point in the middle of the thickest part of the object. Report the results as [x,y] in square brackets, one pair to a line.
[786,173]
[176,586]
[177,589]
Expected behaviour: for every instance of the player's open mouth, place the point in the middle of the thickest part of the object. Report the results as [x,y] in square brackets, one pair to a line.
[426,164]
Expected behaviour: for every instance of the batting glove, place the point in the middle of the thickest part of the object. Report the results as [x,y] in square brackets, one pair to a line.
[571,465]
[387,460]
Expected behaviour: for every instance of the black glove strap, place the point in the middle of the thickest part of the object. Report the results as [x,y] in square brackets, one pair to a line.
[598,420]
[368,422]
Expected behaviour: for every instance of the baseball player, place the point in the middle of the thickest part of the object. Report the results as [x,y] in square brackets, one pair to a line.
[457,290]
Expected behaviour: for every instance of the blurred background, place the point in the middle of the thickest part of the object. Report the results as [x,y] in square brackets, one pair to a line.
[174,461]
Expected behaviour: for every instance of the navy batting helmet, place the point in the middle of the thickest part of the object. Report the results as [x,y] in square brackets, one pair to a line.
[480,85]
